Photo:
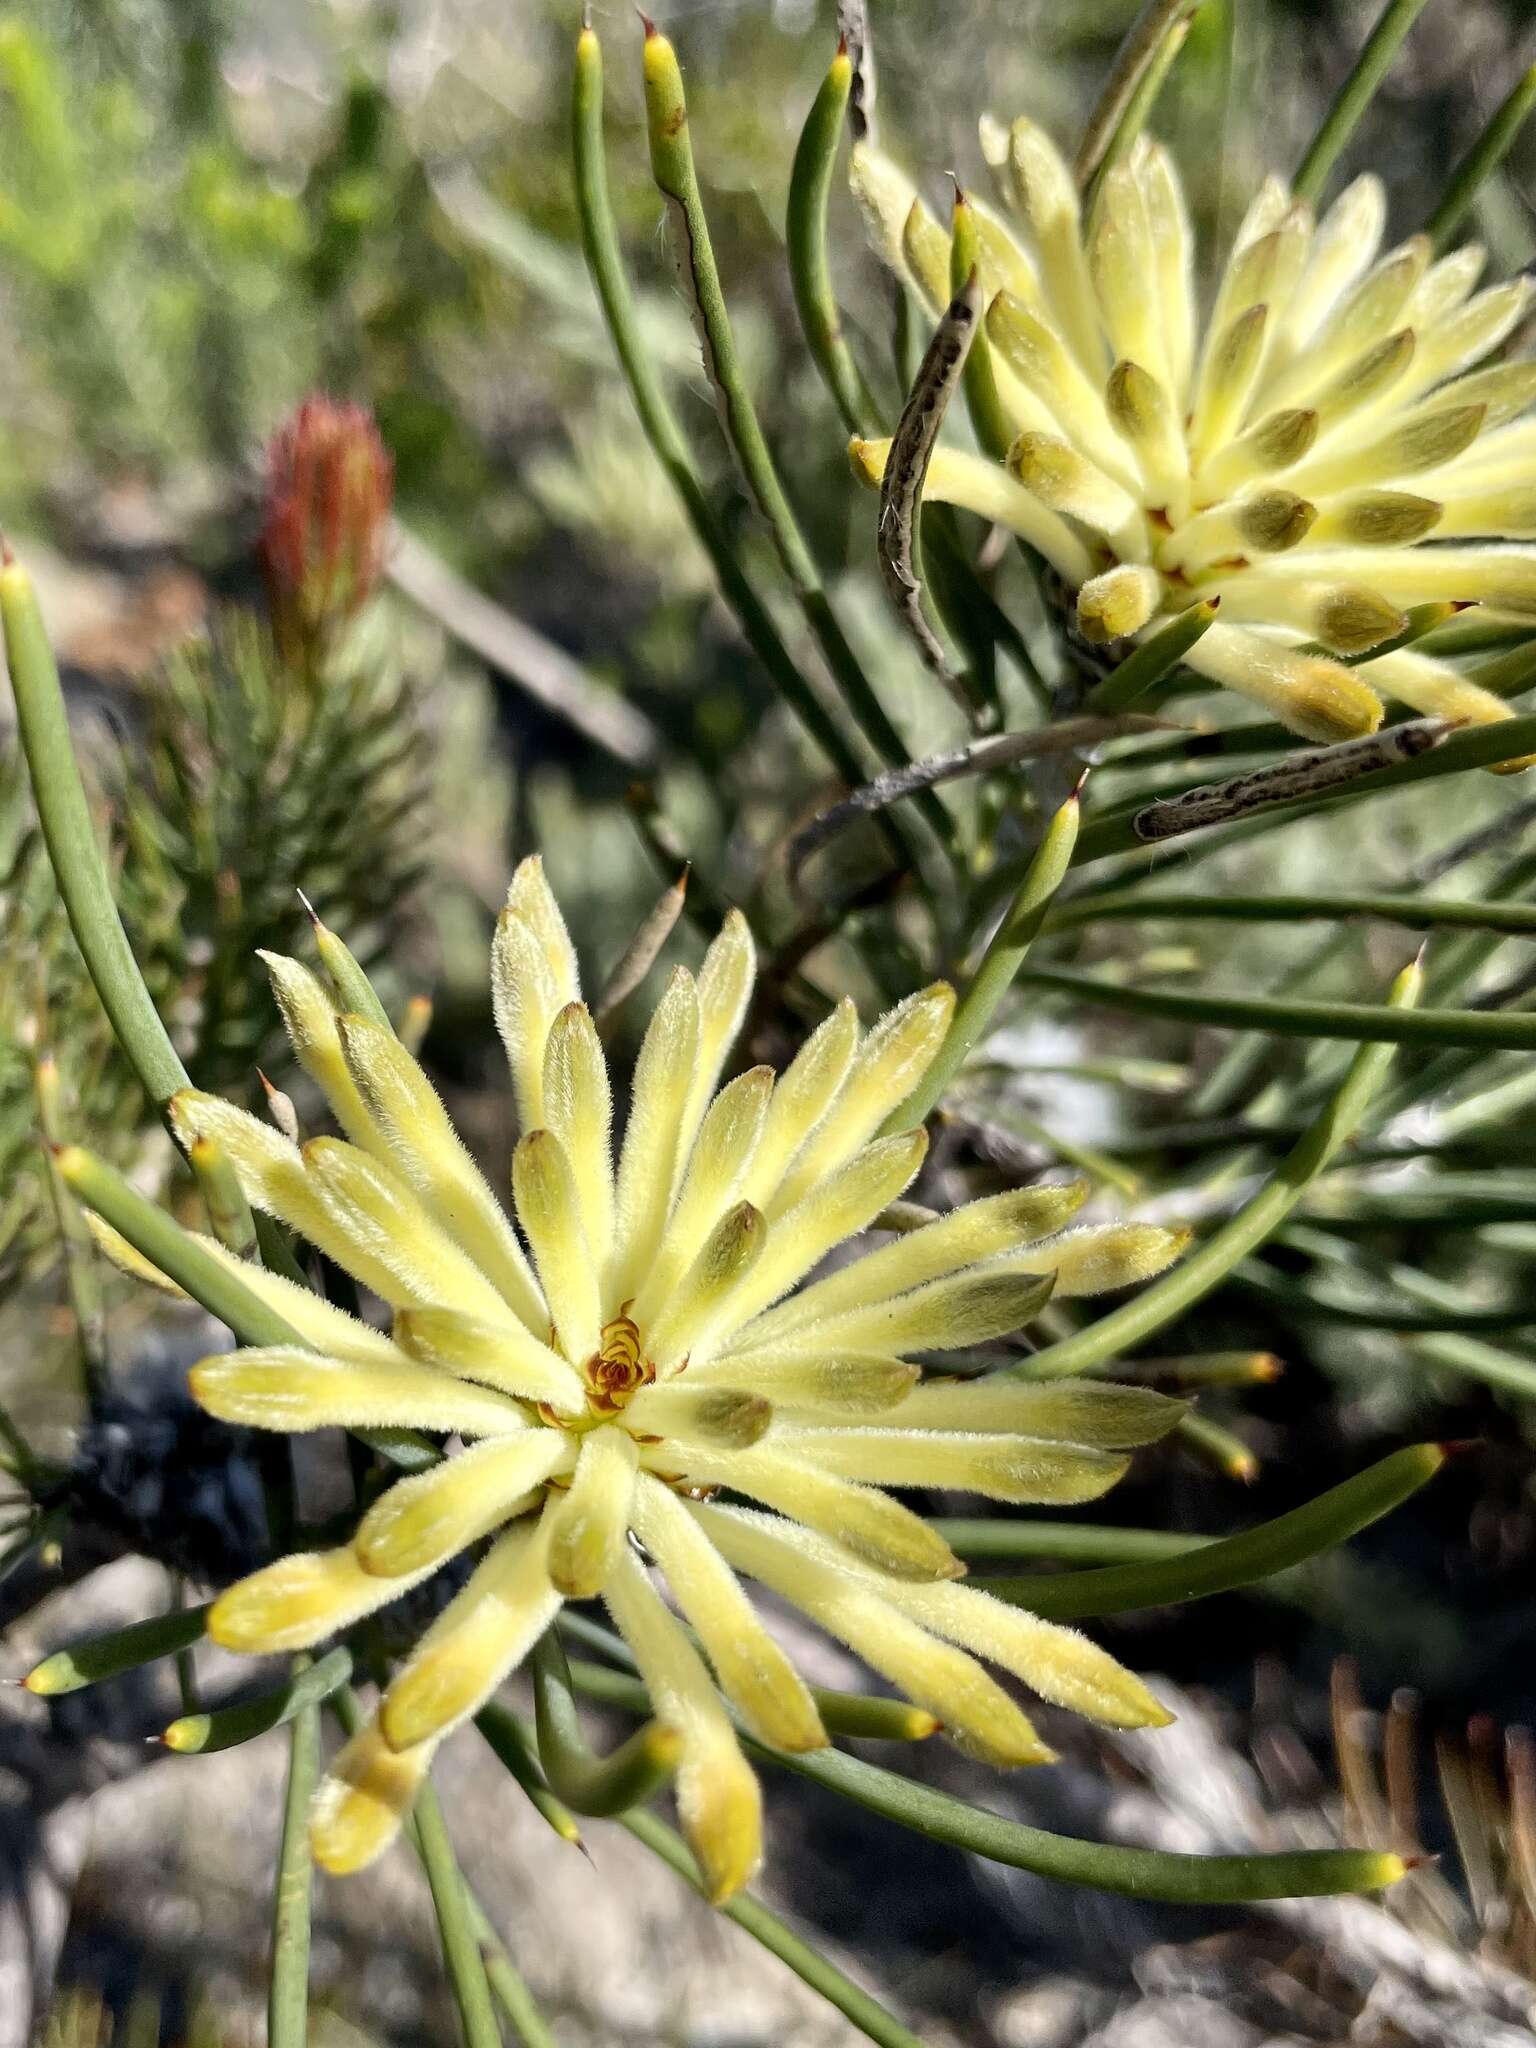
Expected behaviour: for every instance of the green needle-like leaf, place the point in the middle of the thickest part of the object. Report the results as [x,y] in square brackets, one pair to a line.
[1126,1328]
[1332,1518]
[856,2005]
[514,1749]
[462,1958]
[288,1987]
[1156,658]
[1000,965]
[632,1775]
[1481,1030]
[805,234]
[122,1649]
[161,1240]
[987,1537]
[222,1728]
[65,816]
[1354,96]
[1106,1867]
[1481,161]
[1416,913]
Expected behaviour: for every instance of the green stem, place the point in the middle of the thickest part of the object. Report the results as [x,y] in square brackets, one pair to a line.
[805,234]
[1221,1567]
[1355,95]
[1417,913]
[1495,1368]
[81,1277]
[1481,161]
[1001,963]
[288,1990]
[224,1727]
[602,1786]
[1106,1867]
[462,1958]
[812,1968]
[1124,1328]
[1222,1448]
[1482,1030]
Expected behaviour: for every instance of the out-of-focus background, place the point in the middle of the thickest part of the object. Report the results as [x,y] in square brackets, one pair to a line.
[209,210]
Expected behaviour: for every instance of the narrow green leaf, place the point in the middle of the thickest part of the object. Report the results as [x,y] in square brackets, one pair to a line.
[1000,965]
[121,1649]
[1126,94]
[1481,161]
[812,1968]
[1354,96]
[288,1986]
[161,1239]
[1195,1574]
[631,1776]
[1128,1327]
[1156,658]
[197,1734]
[985,1538]
[1502,1370]
[672,166]
[805,234]
[1417,913]
[1105,1867]
[1481,1030]
[462,1958]
[509,1740]
[73,848]
[658,421]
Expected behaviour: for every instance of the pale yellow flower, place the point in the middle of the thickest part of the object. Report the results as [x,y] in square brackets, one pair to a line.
[639,1355]
[1320,454]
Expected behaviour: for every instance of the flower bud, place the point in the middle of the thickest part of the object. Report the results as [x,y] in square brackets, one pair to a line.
[329,487]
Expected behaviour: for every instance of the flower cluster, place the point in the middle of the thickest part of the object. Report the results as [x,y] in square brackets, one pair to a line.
[636,1376]
[1291,460]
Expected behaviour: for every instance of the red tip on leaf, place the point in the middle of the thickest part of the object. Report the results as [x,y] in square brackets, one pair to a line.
[6,556]
[842,46]
[1460,1447]
[1420,1862]
[309,909]
[1464,604]
[1081,783]
[646,23]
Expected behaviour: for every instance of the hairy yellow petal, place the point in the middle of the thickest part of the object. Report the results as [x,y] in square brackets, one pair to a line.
[725,988]
[1102,1256]
[549,1209]
[578,1108]
[1001,1467]
[867,1523]
[477,1639]
[718,1800]
[502,1355]
[716,1168]
[664,1076]
[708,1414]
[589,1524]
[433,1515]
[428,1152]
[283,1388]
[310,1018]
[363,1800]
[754,1672]
[975,1710]
[1318,698]
[966,1236]
[969,1307]
[1108,1417]
[843,1203]
[701,1298]
[848,1383]
[300,1600]
[800,1099]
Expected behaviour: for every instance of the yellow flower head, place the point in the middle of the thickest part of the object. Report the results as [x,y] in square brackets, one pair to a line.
[641,1343]
[1291,460]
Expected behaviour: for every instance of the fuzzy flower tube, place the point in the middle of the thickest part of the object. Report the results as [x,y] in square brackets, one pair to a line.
[636,1371]
[1321,455]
